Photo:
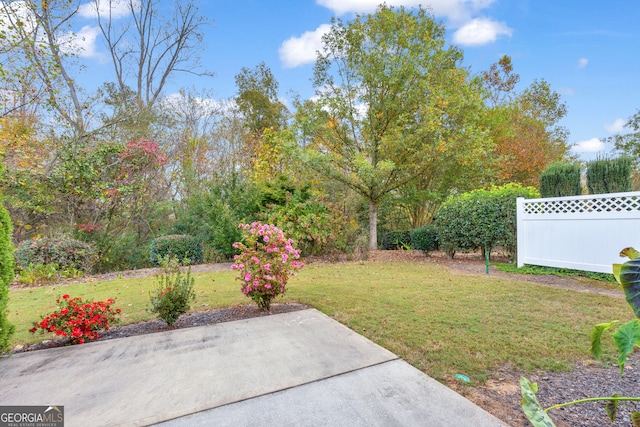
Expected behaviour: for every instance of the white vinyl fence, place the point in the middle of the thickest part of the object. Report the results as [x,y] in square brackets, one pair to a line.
[580,232]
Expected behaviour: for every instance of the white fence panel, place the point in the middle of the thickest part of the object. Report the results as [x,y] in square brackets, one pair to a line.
[580,232]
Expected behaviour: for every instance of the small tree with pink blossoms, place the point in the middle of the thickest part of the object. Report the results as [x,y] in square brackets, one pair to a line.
[266,261]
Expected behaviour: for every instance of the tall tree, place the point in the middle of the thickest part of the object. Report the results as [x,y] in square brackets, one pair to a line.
[393,105]
[500,80]
[628,143]
[263,113]
[151,46]
[524,126]
[258,99]
[42,48]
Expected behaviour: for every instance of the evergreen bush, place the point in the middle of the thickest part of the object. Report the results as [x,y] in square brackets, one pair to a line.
[6,275]
[395,240]
[609,175]
[181,246]
[424,238]
[481,219]
[560,179]
[213,214]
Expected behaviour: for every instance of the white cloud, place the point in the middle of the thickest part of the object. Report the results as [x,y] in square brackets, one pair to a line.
[12,12]
[82,43]
[592,145]
[616,127]
[582,62]
[480,31]
[200,106]
[119,8]
[301,50]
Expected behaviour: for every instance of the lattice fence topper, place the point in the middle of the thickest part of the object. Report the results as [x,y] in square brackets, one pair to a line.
[584,205]
[578,232]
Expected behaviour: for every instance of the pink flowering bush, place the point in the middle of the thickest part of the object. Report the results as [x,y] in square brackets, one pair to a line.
[266,262]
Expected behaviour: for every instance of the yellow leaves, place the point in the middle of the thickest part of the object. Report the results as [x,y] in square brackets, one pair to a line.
[333,123]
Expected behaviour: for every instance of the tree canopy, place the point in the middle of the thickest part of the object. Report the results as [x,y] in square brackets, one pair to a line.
[393,105]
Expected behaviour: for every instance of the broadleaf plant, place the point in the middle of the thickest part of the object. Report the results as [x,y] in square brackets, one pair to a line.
[626,339]
[628,275]
[531,406]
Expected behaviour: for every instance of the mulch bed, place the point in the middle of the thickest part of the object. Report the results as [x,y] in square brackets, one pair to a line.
[199,318]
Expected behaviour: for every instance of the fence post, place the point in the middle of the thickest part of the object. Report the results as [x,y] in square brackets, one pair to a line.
[520,243]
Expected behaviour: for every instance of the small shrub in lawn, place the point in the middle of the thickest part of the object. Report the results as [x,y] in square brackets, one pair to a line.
[266,261]
[174,294]
[187,249]
[65,252]
[425,238]
[78,320]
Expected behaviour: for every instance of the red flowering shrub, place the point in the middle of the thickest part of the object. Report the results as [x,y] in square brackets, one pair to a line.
[77,320]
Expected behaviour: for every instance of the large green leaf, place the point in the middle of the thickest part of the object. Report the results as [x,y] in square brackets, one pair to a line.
[628,275]
[596,335]
[626,338]
[531,406]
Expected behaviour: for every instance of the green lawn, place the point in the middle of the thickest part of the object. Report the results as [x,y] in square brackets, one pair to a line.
[441,323]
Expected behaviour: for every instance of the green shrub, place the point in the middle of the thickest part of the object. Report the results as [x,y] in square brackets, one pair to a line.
[319,228]
[188,249]
[42,274]
[213,214]
[62,251]
[424,238]
[609,175]
[560,179]
[395,240]
[481,219]
[126,251]
[6,275]
[174,293]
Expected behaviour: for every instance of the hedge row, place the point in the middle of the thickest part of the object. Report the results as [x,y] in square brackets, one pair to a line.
[478,220]
[421,239]
[481,219]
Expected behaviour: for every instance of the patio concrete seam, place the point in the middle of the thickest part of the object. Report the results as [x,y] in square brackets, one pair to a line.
[283,389]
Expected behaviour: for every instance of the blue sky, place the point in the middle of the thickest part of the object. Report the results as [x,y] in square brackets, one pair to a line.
[587,50]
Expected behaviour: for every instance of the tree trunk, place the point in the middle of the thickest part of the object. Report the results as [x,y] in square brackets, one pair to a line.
[373,226]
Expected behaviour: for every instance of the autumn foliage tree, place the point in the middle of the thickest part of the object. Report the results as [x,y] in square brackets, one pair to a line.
[26,157]
[524,126]
[392,105]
